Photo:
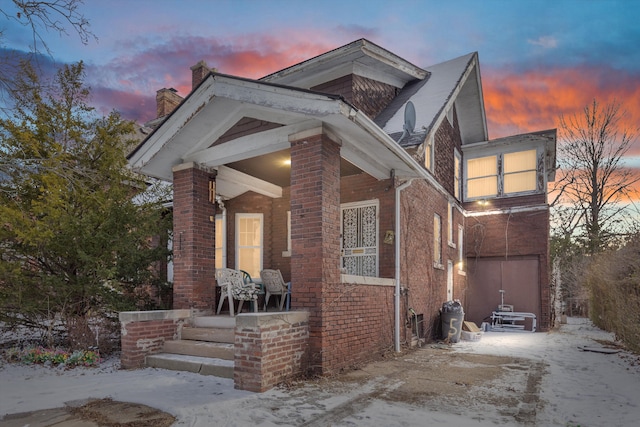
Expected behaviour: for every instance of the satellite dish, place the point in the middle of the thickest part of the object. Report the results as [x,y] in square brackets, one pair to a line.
[409,118]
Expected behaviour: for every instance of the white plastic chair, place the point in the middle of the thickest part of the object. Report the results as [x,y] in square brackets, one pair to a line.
[274,284]
[232,286]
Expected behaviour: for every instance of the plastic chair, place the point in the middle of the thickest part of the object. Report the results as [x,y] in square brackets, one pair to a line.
[274,284]
[233,287]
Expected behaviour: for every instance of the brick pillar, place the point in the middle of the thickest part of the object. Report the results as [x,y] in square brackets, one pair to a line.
[193,238]
[315,233]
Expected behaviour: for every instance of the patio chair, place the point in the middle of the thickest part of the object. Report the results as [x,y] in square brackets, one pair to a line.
[233,287]
[274,284]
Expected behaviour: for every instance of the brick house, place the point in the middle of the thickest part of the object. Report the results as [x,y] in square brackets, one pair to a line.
[369,182]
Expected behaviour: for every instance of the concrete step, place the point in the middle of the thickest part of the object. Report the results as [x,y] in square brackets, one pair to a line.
[200,365]
[216,350]
[222,335]
[222,322]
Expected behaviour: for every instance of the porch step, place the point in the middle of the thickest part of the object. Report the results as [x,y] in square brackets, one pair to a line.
[200,365]
[221,322]
[189,347]
[209,334]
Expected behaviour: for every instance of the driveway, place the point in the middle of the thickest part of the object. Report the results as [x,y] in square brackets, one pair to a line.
[506,378]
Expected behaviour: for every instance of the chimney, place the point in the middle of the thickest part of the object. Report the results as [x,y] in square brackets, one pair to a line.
[166,101]
[199,72]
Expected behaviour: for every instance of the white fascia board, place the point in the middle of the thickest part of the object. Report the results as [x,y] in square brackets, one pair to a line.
[250,145]
[472,72]
[276,97]
[411,167]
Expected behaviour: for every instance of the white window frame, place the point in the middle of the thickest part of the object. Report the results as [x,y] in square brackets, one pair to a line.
[500,175]
[450,240]
[240,216]
[220,221]
[457,174]
[287,253]
[461,259]
[437,241]
[429,153]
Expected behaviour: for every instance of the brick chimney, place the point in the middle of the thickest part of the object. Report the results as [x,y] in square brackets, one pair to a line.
[199,72]
[166,101]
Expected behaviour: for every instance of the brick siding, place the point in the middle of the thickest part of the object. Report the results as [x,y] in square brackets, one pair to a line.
[270,348]
[193,240]
[144,333]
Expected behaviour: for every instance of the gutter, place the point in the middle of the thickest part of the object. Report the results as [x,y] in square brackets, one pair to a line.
[397,272]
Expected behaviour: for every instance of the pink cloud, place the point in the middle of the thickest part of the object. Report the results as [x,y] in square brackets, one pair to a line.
[524,102]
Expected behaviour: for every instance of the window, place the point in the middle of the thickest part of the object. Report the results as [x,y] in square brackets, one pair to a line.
[520,171]
[437,241]
[428,154]
[220,248]
[502,174]
[457,174]
[482,177]
[287,253]
[450,225]
[249,243]
[359,228]
[460,248]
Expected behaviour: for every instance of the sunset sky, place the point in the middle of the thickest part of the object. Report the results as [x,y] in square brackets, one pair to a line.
[538,59]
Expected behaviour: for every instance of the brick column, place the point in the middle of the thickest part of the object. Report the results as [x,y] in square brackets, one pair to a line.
[193,238]
[315,232]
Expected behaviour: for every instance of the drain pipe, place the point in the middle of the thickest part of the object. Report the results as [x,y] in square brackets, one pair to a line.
[397,274]
[224,226]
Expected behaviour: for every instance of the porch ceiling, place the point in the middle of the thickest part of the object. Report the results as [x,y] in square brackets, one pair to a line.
[221,101]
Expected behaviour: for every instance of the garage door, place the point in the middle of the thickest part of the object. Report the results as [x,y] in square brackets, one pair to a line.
[519,278]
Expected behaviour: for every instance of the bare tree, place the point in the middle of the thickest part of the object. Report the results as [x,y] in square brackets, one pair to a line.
[596,187]
[52,15]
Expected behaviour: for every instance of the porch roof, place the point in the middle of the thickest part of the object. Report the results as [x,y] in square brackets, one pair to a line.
[220,101]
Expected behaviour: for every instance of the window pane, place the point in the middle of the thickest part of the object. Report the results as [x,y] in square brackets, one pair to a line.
[520,161]
[483,166]
[249,233]
[219,241]
[482,187]
[523,181]
[249,261]
[249,243]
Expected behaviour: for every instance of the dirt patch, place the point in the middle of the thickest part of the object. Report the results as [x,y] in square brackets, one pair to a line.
[497,388]
[100,412]
[110,413]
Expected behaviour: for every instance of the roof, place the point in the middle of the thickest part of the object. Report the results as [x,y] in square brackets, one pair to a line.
[452,82]
[284,100]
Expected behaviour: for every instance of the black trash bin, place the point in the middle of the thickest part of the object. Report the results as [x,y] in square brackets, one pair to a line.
[452,316]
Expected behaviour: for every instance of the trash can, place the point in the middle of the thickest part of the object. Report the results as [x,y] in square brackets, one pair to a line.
[452,316]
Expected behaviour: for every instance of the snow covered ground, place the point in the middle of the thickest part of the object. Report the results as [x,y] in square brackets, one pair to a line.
[577,388]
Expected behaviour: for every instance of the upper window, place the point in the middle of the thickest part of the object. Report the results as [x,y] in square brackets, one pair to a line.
[520,171]
[482,177]
[502,174]
[428,154]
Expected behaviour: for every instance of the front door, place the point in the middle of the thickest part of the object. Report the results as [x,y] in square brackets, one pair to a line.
[359,228]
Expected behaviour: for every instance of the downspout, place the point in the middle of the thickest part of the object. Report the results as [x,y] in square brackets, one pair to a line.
[397,274]
[224,228]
